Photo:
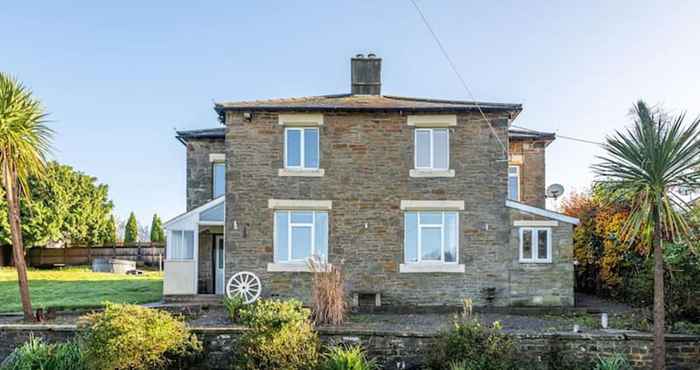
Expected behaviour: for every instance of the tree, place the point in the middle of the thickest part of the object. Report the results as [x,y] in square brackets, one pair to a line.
[110,232]
[131,232]
[24,143]
[654,160]
[157,234]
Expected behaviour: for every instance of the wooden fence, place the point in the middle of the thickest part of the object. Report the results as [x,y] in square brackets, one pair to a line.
[142,253]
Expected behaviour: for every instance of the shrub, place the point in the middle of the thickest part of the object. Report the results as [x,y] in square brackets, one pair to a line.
[280,337]
[347,358]
[270,314]
[134,337]
[327,294]
[470,345]
[293,346]
[37,354]
[615,362]
[233,306]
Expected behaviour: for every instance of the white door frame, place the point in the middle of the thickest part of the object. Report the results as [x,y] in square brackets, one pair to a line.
[219,283]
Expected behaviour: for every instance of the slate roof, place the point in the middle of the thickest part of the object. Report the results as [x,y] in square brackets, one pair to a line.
[220,132]
[207,133]
[350,102]
[515,133]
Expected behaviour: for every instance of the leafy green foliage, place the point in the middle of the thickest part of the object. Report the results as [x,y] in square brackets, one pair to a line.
[347,358]
[233,306]
[110,232]
[131,232]
[37,354]
[272,314]
[157,233]
[615,362]
[470,345]
[65,205]
[281,336]
[135,337]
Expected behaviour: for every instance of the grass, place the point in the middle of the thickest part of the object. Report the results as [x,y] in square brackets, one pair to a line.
[78,287]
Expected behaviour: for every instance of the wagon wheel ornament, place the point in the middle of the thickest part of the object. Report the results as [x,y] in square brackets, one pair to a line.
[245,285]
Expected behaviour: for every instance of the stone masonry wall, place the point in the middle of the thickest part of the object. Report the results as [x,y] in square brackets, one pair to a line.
[200,170]
[410,349]
[549,284]
[529,155]
[367,158]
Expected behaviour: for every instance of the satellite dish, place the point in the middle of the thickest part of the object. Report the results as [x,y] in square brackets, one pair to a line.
[555,191]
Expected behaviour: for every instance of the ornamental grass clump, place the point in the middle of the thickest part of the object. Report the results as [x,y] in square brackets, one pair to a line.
[327,294]
[37,354]
[136,338]
[347,358]
[281,336]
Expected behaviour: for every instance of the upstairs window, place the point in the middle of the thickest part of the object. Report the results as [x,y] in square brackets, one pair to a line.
[300,235]
[432,148]
[301,148]
[218,179]
[430,237]
[535,245]
[514,183]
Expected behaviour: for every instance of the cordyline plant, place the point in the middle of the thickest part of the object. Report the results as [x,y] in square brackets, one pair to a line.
[655,160]
[24,143]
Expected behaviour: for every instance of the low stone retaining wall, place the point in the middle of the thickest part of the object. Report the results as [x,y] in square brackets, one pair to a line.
[408,348]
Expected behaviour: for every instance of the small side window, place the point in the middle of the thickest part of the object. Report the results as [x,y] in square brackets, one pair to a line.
[218,179]
[514,183]
[535,245]
[301,148]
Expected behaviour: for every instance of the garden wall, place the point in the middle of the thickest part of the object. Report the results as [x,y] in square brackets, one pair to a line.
[390,348]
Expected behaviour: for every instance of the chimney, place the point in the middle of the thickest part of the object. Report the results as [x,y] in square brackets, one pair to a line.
[366,75]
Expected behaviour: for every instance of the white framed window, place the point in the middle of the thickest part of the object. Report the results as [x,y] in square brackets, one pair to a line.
[431,237]
[300,235]
[301,148]
[514,183]
[181,245]
[432,149]
[535,245]
[218,179]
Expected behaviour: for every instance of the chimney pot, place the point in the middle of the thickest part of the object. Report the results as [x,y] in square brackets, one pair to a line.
[366,75]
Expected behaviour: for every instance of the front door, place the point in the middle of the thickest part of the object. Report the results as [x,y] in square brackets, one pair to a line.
[219,264]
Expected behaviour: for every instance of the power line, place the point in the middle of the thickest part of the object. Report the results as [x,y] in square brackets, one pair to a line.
[459,76]
[562,136]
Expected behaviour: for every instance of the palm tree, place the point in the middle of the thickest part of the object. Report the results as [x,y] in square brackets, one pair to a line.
[654,161]
[24,142]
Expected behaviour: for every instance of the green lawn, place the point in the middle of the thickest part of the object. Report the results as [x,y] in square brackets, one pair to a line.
[78,287]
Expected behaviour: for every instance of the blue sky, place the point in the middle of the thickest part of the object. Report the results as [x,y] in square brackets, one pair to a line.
[118,77]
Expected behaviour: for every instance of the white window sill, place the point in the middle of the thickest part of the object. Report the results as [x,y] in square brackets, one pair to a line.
[534,262]
[291,267]
[431,267]
[431,173]
[301,173]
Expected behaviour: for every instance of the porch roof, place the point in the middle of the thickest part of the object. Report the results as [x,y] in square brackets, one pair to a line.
[210,213]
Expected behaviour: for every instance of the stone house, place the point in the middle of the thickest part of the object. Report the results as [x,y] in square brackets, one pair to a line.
[421,201]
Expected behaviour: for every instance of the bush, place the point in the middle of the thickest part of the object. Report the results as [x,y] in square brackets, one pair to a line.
[271,314]
[327,294]
[347,358]
[280,337]
[134,337]
[36,354]
[469,345]
[234,305]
